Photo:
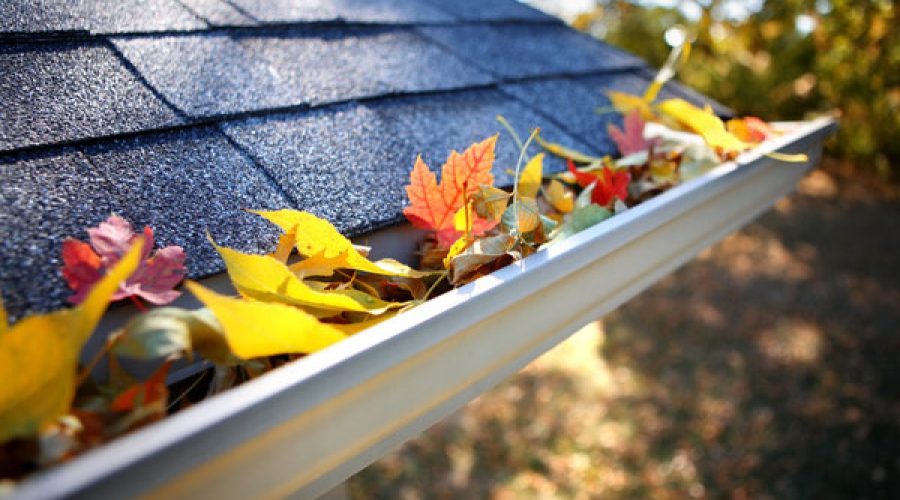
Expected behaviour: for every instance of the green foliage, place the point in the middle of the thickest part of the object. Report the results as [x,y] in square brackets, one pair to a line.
[763,65]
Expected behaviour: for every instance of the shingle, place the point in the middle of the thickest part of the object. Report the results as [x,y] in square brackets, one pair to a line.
[205,75]
[218,12]
[522,50]
[64,92]
[181,184]
[341,163]
[435,125]
[215,75]
[98,16]
[361,11]
[350,163]
[44,199]
[494,10]
[361,63]
[186,183]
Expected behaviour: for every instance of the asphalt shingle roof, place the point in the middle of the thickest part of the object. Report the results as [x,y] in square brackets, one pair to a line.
[180,113]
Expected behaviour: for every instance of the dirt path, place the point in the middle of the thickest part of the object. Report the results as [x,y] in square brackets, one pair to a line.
[767,367]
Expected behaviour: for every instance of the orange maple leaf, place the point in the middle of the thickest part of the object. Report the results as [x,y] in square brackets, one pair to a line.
[433,205]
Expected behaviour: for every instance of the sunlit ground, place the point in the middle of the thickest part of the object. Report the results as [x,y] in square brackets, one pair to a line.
[769,367]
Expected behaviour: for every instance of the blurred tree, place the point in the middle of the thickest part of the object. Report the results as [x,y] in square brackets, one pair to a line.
[785,60]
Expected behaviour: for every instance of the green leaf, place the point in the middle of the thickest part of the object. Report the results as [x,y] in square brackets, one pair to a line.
[579,220]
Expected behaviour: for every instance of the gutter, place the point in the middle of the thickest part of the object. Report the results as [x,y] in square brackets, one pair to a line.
[305,427]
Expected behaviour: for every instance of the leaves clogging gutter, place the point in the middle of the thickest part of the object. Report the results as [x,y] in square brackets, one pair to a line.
[51,408]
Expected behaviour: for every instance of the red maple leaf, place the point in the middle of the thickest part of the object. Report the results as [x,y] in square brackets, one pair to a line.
[630,140]
[608,184]
[154,280]
[433,205]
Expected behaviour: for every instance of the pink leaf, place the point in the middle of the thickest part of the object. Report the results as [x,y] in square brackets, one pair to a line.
[631,140]
[154,280]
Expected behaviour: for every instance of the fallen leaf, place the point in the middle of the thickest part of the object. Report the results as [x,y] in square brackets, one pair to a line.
[608,185]
[168,331]
[522,216]
[40,389]
[256,329]
[749,129]
[263,278]
[433,205]
[626,103]
[490,202]
[559,196]
[530,179]
[703,122]
[319,240]
[579,220]
[153,281]
[149,392]
[630,139]
[493,250]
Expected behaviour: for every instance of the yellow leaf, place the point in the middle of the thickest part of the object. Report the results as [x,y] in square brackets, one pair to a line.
[703,122]
[263,278]
[530,181]
[562,198]
[626,103]
[457,248]
[39,356]
[564,152]
[256,329]
[315,237]
[285,245]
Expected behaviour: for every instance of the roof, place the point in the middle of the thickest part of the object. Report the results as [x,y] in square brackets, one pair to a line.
[178,114]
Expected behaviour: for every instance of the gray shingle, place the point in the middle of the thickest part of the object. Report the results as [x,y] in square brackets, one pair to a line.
[44,199]
[218,12]
[350,163]
[523,50]
[60,92]
[214,75]
[493,10]
[361,63]
[435,125]
[183,184]
[341,163]
[205,75]
[98,16]
[361,11]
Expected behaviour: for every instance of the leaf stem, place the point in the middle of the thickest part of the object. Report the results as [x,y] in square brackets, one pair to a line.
[107,347]
[522,152]
[434,285]
[137,303]
[511,131]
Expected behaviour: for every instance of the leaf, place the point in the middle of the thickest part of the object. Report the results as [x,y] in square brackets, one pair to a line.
[608,185]
[492,250]
[170,331]
[564,152]
[318,239]
[110,240]
[490,202]
[749,129]
[39,356]
[559,196]
[579,220]
[152,391]
[626,103]
[630,140]
[522,216]
[703,122]
[433,205]
[530,180]
[263,278]
[256,329]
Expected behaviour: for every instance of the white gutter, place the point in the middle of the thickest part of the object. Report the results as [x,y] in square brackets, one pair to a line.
[306,427]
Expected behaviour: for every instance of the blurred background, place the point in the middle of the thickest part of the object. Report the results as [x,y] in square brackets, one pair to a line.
[769,367]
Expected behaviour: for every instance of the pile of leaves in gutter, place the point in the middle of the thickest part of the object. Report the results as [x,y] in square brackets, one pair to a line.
[316,287]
